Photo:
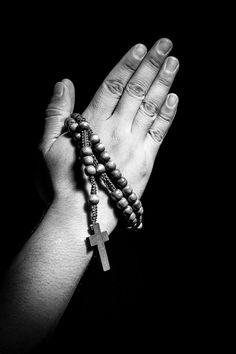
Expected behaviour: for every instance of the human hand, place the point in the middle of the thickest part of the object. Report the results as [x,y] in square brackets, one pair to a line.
[131,112]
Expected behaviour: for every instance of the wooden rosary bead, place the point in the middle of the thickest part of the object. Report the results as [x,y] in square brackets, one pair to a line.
[127,190]
[110,165]
[93,199]
[132,197]
[73,126]
[86,150]
[105,156]
[136,205]
[77,136]
[128,210]
[100,168]
[84,125]
[140,226]
[116,174]
[88,160]
[132,216]
[140,211]
[122,203]
[122,182]
[95,139]
[99,147]
[117,194]
[90,170]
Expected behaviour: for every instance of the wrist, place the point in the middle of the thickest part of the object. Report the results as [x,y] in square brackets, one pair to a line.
[72,208]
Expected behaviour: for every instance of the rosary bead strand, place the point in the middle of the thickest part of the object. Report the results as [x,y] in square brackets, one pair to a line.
[99,167]
[98,163]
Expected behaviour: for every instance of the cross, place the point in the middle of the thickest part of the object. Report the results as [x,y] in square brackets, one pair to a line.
[98,239]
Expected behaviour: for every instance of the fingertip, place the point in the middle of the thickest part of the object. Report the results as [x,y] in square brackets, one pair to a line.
[58,89]
[70,89]
[67,82]
[164,46]
[167,41]
[172,100]
[139,51]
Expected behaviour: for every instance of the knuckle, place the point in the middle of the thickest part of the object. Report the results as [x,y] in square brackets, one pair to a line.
[114,86]
[157,135]
[136,89]
[149,108]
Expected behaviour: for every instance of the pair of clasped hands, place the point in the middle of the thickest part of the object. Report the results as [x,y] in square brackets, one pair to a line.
[131,112]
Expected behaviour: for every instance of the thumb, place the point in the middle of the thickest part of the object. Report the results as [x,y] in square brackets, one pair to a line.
[59,108]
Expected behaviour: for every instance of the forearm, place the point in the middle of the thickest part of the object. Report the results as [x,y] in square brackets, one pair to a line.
[43,277]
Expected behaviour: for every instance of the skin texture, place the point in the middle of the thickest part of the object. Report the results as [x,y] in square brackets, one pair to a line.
[132,136]
[131,112]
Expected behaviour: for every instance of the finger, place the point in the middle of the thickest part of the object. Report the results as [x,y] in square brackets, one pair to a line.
[59,108]
[162,123]
[155,97]
[140,82]
[109,93]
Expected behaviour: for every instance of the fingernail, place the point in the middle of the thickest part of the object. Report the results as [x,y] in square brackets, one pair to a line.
[58,89]
[139,51]
[171,64]
[172,100]
[163,47]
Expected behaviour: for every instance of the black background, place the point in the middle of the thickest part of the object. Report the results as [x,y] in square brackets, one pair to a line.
[157,292]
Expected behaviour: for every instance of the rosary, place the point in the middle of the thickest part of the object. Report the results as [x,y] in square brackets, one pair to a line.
[99,168]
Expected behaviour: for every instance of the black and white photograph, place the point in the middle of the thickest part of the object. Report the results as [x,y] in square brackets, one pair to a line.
[102,248]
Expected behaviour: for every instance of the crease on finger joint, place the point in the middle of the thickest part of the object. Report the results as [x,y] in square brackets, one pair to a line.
[149,108]
[157,135]
[114,86]
[135,90]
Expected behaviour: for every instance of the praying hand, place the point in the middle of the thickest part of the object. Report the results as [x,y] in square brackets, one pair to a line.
[131,113]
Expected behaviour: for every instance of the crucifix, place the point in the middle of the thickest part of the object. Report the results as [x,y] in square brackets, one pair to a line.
[98,239]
